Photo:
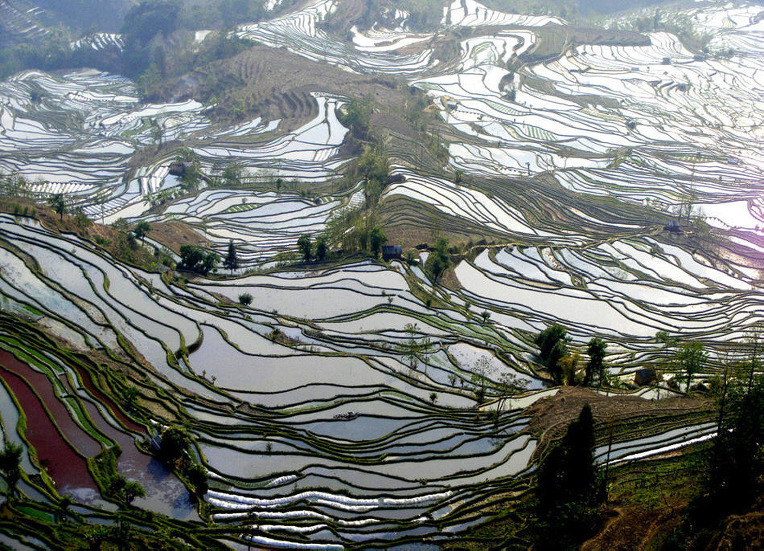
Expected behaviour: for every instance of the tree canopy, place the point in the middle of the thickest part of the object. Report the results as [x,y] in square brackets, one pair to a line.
[305,244]
[231,261]
[553,345]
[322,247]
[377,238]
[141,229]
[690,358]
[175,442]
[58,204]
[595,369]
[10,464]
[439,260]
[569,491]
[356,116]
[125,491]
[196,259]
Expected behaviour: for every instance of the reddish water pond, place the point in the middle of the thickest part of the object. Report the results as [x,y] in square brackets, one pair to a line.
[65,466]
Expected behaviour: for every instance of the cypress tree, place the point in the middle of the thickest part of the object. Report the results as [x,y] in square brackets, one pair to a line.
[231,260]
[568,492]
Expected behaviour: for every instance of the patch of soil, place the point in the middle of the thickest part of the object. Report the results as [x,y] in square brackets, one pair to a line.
[551,416]
[174,233]
[277,84]
[634,527]
[410,223]
[744,531]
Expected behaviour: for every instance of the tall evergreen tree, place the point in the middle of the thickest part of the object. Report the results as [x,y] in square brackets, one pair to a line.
[305,244]
[377,238]
[231,261]
[735,466]
[596,366]
[735,463]
[579,447]
[322,247]
[568,490]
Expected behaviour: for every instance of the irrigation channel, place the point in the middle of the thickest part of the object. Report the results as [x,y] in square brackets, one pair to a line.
[316,426]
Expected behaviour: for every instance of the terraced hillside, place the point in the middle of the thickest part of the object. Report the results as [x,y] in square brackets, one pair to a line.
[610,183]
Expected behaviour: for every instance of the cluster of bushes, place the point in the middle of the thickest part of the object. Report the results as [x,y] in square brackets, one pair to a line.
[196,259]
[562,362]
[309,250]
[173,450]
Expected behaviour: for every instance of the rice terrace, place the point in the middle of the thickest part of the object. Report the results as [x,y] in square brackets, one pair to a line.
[381,274]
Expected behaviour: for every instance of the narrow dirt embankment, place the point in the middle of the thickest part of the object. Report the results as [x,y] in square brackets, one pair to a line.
[551,416]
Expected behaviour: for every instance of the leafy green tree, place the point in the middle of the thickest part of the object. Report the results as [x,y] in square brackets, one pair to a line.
[410,346]
[231,261]
[58,204]
[195,259]
[232,175]
[596,366]
[553,345]
[377,238]
[210,261]
[124,490]
[131,491]
[568,366]
[197,475]
[131,395]
[667,340]
[10,465]
[192,172]
[735,461]
[191,177]
[439,260]
[191,256]
[690,358]
[356,115]
[374,167]
[240,11]
[141,229]
[156,133]
[149,18]
[414,349]
[175,441]
[735,464]
[14,185]
[481,376]
[245,299]
[305,244]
